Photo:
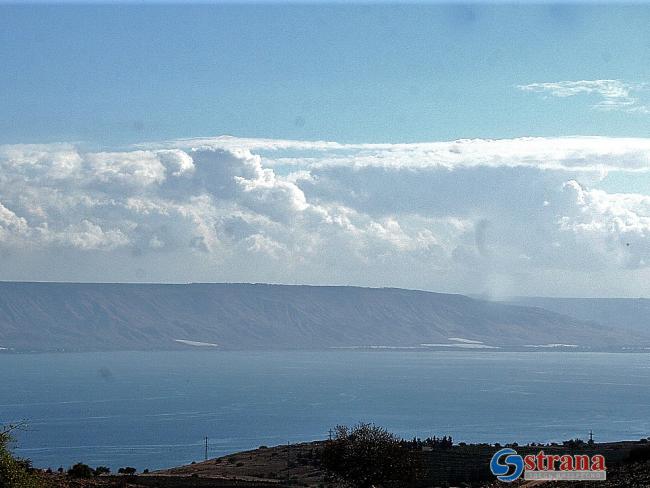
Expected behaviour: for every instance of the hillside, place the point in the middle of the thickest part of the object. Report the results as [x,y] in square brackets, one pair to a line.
[79,317]
[300,465]
[629,313]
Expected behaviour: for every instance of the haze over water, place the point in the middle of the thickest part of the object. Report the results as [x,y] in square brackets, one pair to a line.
[153,409]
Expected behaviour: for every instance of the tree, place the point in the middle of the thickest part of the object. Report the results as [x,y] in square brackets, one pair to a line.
[15,472]
[367,455]
[80,470]
[100,470]
[128,471]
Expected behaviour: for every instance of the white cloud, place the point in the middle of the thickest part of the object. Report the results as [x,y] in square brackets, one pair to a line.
[10,223]
[88,235]
[470,215]
[617,225]
[612,94]
[262,244]
[576,153]
[176,162]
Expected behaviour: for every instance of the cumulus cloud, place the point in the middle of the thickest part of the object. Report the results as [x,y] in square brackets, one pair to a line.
[612,94]
[468,215]
[176,162]
[617,224]
[10,223]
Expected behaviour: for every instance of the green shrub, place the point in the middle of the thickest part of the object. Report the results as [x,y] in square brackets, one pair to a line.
[367,455]
[81,470]
[15,472]
[100,470]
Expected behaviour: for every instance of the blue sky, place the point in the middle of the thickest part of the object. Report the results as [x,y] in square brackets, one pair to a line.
[389,73]
[490,149]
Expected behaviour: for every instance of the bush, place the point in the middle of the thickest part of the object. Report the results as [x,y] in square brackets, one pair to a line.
[100,470]
[367,455]
[80,470]
[15,472]
[573,443]
[639,455]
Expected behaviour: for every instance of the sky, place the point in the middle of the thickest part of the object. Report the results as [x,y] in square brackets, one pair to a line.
[473,148]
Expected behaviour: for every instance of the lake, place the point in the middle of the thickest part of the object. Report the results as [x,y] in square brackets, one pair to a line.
[153,409]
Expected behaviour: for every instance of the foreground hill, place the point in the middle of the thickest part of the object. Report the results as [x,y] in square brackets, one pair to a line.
[460,465]
[71,316]
[299,465]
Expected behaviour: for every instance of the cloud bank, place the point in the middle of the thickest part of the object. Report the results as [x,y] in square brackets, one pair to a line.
[514,216]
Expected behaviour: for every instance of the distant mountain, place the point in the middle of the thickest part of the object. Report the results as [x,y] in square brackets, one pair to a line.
[614,313]
[80,317]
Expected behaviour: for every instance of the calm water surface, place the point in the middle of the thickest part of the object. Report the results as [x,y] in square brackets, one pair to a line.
[153,409]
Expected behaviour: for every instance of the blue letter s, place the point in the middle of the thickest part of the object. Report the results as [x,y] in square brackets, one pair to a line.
[511,459]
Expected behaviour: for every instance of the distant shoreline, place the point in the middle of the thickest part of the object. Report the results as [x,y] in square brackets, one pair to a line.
[350,349]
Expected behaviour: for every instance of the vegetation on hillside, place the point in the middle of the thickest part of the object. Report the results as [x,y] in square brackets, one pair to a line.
[367,455]
[15,472]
